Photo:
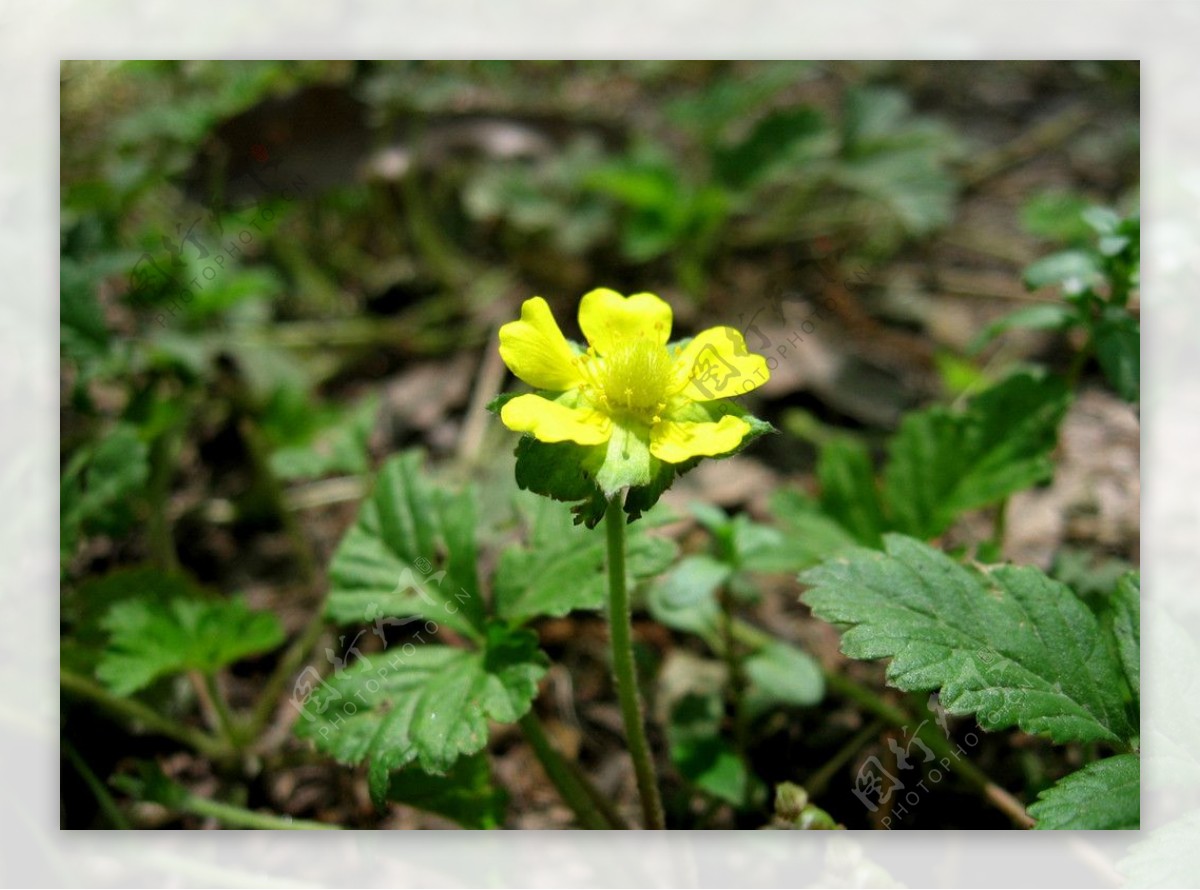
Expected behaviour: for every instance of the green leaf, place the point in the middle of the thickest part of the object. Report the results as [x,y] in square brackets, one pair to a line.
[810,535]
[1012,646]
[98,484]
[1118,350]
[943,463]
[1075,269]
[1105,795]
[848,493]
[411,552]
[768,145]
[423,704]
[563,567]
[701,755]
[1057,216]
[151,638]
[339,446]
[782,675]
[1041,317]
[466,793]
[1125,609]
[686,598]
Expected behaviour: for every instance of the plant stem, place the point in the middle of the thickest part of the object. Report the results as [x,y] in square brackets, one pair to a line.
[817,782]
[999,529]
[268,699]
[103,798]
[240,817]
[736,671]
[224,718]
[625,670]
[568,782]
[938,743]
[134,710]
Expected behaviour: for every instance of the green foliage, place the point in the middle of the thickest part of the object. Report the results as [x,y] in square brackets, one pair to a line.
[152,638]
[780,675]
[941,463]
[561,568]
[385,565]
[428,705]
[1104,795]
[1009,645]
[315,443]
[466,794]
[1096,280]
[98,485]
[702,756]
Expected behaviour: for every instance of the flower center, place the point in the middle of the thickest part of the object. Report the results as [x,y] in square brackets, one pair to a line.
[635,377]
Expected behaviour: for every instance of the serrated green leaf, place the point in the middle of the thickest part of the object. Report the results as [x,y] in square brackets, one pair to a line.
[1011,646]
[1105,795]
[1125,609]
[943,463]
[424,704]
[563,568]
[782,675]
[411,552]
[466,793]
[152,638]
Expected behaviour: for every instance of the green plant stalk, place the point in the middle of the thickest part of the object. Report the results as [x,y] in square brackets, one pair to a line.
[1000,527]
[871,702]
[273,689]
[221,708]
[737,674]
[625,670]
[131,709]
[107,804]
[817,782]
[163,456]
[570,787]
[239,817]
[938,743]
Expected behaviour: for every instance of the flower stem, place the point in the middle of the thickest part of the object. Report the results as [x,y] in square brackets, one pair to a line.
[572,790]
[624,669]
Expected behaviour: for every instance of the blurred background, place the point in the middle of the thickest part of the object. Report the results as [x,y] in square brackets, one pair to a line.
[274,274]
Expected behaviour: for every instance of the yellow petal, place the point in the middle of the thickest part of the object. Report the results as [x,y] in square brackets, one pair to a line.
[536,351]
[551,422]
[608,319]
[676,442]
[717,365]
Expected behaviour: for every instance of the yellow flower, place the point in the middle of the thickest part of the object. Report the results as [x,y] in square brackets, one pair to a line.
[630,390]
